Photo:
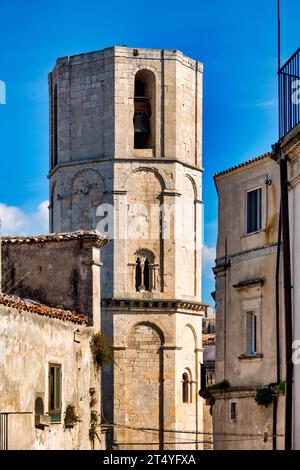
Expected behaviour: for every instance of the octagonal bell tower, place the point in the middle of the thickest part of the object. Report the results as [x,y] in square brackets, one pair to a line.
[125,158]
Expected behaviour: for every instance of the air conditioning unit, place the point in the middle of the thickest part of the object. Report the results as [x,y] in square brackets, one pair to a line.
[42,420]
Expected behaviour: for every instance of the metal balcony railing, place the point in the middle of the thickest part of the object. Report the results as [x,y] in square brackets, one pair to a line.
[289,94]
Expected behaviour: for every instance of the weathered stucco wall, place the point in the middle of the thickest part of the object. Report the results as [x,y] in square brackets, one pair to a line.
[28,343]
[63,274]
[245,282]
[247,432]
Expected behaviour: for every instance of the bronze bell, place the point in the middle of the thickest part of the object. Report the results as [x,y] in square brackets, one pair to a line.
[141,122]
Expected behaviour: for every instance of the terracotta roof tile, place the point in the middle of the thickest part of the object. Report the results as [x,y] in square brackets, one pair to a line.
[59,237]
[241,165]
[27,305]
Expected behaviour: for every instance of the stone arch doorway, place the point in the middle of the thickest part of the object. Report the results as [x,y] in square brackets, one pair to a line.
[144,386]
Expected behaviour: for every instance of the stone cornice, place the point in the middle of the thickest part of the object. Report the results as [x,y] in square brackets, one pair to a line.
[259,281]
[104,159]
[235,392]
[167,306]
[169,192]
[220,262]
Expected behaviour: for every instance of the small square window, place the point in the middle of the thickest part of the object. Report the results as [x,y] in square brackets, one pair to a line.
[254,210]
[55,392]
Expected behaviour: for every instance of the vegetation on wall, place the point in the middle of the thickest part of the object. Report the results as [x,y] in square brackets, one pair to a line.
[93,426]
[224,385]
[93,399]
[264,396]
[71,417]
[101,350]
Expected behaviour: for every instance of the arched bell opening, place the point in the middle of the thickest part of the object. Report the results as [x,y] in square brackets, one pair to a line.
[143,120]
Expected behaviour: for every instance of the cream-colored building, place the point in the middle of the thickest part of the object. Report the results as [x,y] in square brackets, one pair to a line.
[126,137]
[247,304]
[249,353]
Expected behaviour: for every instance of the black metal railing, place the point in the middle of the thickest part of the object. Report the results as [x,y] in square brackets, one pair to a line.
[289,94]
[210,372]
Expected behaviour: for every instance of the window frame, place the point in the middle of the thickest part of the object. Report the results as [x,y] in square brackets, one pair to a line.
[187,393]
[233,406]
[260,228]
[251,329]
[55,412]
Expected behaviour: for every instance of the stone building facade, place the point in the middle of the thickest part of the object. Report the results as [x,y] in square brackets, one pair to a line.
[45,356]
[248,352]
[125,157]
[246,282]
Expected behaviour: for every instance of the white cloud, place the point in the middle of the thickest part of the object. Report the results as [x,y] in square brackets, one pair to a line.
[15,221]
[208,261]
[272,103]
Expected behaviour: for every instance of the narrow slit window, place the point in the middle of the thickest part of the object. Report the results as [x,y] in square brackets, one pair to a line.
[251,325]
[147,275]
[138,275]
[233,411]
[185,388]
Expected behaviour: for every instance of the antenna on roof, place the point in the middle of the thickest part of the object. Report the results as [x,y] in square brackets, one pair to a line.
[279,62]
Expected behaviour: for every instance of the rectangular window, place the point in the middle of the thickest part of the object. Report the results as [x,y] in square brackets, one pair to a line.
[251,325]
[254,210]
[55,392]
[233,411]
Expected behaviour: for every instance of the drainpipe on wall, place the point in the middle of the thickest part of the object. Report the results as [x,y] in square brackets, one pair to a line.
[282,160]
[277,308]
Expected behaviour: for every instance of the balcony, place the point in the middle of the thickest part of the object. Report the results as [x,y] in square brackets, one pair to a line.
[289,95]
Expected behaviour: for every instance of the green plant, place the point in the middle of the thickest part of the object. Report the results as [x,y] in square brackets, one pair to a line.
[264,396]
[281,388]
[224,385]
[71,416]
[93,425]
[93,402]
[101,350]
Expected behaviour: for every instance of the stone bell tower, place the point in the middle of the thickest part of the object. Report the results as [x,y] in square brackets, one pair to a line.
[125,158]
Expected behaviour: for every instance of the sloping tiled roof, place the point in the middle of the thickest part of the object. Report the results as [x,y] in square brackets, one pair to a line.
[241,165]
[59,237]
[27,305]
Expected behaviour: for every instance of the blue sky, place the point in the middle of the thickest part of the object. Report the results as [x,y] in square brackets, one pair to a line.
[235,39]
